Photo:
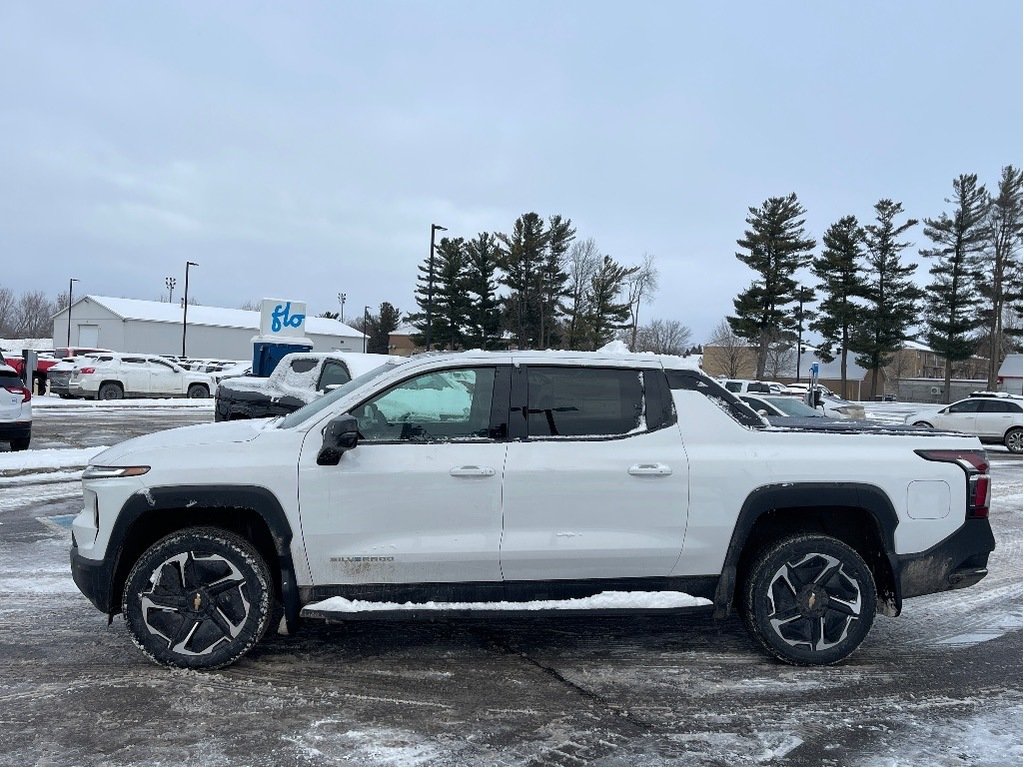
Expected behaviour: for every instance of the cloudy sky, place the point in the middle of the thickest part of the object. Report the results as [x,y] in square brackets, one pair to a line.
[301,149]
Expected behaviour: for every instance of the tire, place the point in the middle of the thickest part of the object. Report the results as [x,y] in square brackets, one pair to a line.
[1012,441]
[923,424]
[198,390]
[809,600]
[110,390]
[200,598]
[21,443]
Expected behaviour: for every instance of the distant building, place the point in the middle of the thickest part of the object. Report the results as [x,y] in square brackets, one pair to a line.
[134,325]
[1009,376]
[400,341]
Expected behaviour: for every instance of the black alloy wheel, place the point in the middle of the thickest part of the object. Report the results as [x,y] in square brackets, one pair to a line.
[200,599]
[810,600]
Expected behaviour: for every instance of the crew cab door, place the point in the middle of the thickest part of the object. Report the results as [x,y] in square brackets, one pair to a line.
[596,486]
[960,417]
[996,416]
[419,499]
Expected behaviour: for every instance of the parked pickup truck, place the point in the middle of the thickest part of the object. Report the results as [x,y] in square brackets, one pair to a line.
[298,379]
[481,483]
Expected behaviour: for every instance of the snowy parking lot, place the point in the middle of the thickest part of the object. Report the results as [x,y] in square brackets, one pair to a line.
[939,685]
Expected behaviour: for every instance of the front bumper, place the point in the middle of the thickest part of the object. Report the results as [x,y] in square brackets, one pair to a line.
[94,579]
[960,560]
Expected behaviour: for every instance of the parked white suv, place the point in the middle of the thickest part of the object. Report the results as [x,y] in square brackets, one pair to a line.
[113,376]
[992,417]
[479,482]
[15,410]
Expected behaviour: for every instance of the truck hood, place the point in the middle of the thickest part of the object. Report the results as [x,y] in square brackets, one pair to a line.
[182,437]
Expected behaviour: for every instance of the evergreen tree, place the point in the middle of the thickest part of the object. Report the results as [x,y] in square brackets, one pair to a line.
[952,297]
[483,312]
[891,296]
[775,246]
[522,262]
[451,305]
[838,269]
[380,327]
[552,280]
[422,297]
[1001,287]
[608,312]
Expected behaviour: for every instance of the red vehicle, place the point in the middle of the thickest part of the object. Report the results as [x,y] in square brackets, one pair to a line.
[43,364]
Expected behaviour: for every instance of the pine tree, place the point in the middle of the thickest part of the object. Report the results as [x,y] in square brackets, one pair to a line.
[776,247]
[450,302]
[422,296]
[522,262]
[952,297]
[380,328]
[1001,287]
[483,312]
[607,311]
[553,278]
[891,296]
[838,269]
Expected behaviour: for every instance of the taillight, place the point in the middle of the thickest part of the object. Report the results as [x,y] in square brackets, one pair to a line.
[87,370]
[25,392]
[979,483]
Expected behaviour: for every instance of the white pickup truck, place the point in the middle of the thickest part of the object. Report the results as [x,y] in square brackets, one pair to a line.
[478,483]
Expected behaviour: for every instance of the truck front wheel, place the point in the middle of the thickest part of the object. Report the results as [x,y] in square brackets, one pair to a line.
[199,599]
[810,599]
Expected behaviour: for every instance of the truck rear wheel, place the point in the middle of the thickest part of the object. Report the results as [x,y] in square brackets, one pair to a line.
[200,598]
[810,599]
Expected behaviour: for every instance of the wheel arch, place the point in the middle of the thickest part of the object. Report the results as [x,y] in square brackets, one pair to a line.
[860,515]
[250,511]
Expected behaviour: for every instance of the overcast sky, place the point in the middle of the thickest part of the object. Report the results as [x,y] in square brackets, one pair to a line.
[300,149]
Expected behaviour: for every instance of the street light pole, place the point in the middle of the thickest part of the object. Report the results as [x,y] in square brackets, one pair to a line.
[803,294]
[341,300]
[184,314]
[170,282]
[71,288]
[366,326]
[430,283]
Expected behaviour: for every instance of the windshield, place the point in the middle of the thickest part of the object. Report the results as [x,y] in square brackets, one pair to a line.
[793,407]
[311,409]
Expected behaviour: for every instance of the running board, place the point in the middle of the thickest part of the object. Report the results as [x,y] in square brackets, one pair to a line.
[604,604]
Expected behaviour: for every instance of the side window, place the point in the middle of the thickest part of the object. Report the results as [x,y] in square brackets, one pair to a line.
[999,406]
[303,364]
[733,386]
[333,373]
[161,364]
[967,406]
[584,402]
[436,406]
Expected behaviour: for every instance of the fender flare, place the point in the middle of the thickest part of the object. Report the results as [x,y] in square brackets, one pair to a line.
[259,500]
[807,496]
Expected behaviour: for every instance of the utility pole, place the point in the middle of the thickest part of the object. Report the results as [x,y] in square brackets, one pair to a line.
[170,282]
[184,313]
[803,294]
[341,300]
[430,284]
[366,326]
[71,288]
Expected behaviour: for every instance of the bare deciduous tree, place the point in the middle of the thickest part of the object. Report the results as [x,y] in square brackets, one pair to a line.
[727,351]
[7,312]
[664,337]
[640,290]
[584,260]
[33,316]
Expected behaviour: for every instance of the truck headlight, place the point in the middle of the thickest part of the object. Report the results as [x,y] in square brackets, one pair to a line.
[93,472]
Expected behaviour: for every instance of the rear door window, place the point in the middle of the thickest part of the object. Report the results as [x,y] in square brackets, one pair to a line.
[584,402]
[333,373]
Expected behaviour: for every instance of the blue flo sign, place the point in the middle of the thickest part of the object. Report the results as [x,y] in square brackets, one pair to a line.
[282,317]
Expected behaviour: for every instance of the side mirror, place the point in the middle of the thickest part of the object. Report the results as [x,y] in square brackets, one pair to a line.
[762,412]
[342,434]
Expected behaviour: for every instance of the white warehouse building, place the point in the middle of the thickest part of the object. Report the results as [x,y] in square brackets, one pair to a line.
[133,325]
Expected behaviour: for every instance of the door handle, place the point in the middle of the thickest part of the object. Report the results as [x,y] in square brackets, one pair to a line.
[655,470]
[471,470]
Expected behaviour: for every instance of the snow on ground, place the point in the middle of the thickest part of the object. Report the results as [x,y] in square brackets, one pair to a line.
[16,462]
